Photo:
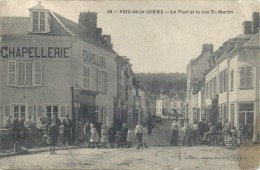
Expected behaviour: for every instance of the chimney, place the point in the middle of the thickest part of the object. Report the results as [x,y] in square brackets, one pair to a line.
[108,38]
[255,22]
[207,48]
[88,20]
[247,27]
[99,32]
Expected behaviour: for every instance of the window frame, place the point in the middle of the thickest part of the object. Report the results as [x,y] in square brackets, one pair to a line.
[245,76]
[86,77]
[39,24]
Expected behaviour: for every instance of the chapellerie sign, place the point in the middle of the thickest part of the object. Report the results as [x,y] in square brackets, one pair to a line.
[94,58]
[8,52]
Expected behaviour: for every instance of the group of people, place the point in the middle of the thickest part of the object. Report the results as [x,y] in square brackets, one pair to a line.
[202,131]
[20,129]
[109,135]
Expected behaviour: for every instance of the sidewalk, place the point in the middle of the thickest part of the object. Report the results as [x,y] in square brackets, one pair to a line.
[43,149]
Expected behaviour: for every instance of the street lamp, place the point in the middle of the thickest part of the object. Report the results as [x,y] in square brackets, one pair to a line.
[77,105]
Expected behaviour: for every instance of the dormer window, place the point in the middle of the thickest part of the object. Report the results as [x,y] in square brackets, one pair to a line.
[38,21]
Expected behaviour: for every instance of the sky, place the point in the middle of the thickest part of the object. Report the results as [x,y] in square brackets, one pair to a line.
[153,42]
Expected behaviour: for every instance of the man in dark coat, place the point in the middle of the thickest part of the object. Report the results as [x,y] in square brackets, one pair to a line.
[67,130]
[123,134]
[16,132]
[53,135]
[112,134]
[22,129]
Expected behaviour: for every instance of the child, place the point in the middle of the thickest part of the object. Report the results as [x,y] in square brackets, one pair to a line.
[94,138]
[53,135]
[130,136]
[118,139]
[104,136]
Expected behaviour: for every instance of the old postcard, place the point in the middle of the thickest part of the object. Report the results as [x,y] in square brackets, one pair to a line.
[129,84]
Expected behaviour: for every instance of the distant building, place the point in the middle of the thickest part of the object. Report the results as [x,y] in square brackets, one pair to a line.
[163,105]
[177,106]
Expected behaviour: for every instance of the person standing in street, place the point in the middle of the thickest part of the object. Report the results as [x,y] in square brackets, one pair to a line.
[227,128]
[67,130]
[112,134]
[94,138]
[123,134]
[22,129]
[53,136]
[104,136]
[87,133]
[139,134]
[145,135]
[187,133]
[175,132]
[16,133]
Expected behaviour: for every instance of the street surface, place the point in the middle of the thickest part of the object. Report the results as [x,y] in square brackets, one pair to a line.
[152,158]
[158,156]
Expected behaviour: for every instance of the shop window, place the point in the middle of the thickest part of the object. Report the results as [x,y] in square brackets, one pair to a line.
[19,111]
[246,116]
[38,21]
[24,73]
[86,77]
[246,77]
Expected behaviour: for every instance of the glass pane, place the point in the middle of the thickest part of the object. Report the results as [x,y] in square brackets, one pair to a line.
[242,71]
[35,27]
[28,81]
[55,109]
[49,116]
[55,114]
[21,66]
[249,71]
[16,108]
[242,82]
[242,118]
[22,108]
[246,107]
[42,15]
[16,115]
[248,82]
[48,108]
[42,27]
[23,115]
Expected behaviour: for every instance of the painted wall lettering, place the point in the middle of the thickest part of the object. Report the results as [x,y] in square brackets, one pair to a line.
[8,52]
[93,58]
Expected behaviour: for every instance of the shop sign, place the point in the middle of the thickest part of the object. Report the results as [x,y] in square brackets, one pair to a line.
[8,52]
[94,58]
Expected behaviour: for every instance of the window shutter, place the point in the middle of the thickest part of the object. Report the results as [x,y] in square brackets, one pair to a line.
[31,112]
[11,77]
[7,112]
[37,73]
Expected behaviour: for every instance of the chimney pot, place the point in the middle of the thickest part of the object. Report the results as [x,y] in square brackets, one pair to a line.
[88,20]
[255,22]
[247,27]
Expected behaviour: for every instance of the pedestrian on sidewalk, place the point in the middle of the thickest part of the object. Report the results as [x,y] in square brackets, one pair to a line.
[67,123]
[145,135]
[187,133]
[139,134]
[104,136]
[112,134]
[94,138]
[87,133]
[53,136]
[175,132]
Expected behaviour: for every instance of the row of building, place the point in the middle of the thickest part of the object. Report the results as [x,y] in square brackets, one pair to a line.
[224,84]
[50,65]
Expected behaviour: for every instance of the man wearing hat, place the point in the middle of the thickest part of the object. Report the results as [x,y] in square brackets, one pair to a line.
[175,132]
[67,130]
[111,134]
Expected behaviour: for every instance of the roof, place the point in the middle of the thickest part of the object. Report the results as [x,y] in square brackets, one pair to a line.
[164,97]
[254,41]
[8,25]
[39,6]
[59,26]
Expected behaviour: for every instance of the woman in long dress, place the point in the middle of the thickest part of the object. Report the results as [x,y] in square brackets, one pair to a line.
[94,138]
[104,136]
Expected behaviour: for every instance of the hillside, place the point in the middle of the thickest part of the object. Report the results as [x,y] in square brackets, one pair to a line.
[164,83]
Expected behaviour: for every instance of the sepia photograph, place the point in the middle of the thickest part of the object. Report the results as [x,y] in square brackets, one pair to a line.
[129,84]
